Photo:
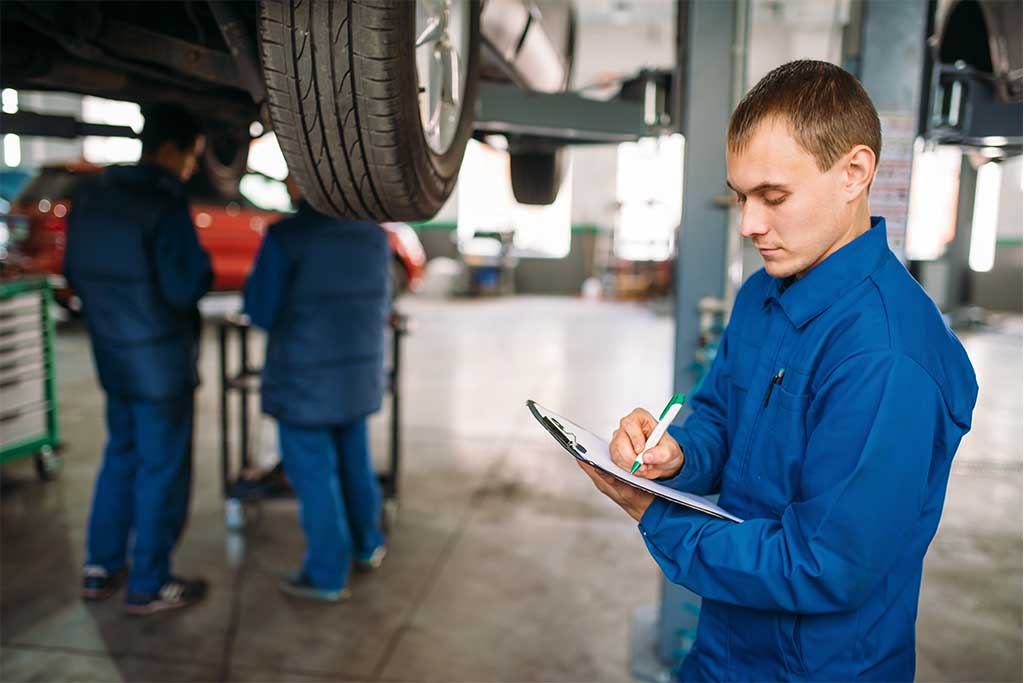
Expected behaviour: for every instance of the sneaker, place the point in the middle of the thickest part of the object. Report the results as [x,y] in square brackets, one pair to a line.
[367,563]
[174,594]
[98,583]
[299,586]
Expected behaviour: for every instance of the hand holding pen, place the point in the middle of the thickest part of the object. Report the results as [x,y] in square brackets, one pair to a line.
[638,439]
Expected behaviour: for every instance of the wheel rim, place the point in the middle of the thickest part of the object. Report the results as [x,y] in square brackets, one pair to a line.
[442,57]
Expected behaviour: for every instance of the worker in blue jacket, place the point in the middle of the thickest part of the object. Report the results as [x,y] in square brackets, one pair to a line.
[828,420]
[320,288]
[135,262]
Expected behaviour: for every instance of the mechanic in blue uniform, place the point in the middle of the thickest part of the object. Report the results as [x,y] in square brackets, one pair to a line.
[828,420]
[134,260]
[320,288]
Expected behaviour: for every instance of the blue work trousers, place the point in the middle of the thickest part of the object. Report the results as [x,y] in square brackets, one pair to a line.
[143,487]
[339,498]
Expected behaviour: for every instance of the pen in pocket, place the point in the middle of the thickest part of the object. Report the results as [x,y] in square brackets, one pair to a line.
[777,379]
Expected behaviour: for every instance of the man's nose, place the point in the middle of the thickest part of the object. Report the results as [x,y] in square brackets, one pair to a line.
[752,222]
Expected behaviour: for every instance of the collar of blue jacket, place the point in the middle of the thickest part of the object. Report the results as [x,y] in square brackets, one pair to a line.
[804,299]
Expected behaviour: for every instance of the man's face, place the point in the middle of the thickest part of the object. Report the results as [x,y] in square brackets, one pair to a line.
[181,162]
[792,212]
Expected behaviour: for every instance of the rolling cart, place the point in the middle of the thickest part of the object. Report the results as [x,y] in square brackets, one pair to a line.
[240,383]
[28,407]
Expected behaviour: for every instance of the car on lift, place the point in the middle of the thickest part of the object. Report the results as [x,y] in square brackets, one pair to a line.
[372,101]
[977,80]
[229,230]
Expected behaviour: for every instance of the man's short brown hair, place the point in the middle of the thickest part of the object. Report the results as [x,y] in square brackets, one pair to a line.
[826,108]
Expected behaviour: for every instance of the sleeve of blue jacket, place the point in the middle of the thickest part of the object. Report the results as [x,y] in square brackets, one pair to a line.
[183,266]
[704,436]
[872,426]
[265,287]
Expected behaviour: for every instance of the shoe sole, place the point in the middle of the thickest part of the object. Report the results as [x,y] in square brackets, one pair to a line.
[157,606]
[309,595]
[97,594]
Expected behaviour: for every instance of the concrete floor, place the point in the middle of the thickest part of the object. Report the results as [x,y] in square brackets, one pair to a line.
[505,564]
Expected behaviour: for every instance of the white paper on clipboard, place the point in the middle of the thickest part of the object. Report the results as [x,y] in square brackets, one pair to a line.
[592,449]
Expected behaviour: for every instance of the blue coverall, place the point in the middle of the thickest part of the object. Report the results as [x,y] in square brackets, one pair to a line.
[838,467]
[134,260]
[320,287]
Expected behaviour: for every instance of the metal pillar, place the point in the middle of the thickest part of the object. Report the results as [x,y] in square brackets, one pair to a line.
[703,235]
[893,55]
[712,38]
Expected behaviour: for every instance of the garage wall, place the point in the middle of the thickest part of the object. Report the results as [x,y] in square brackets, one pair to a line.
[533,275]
[560,276]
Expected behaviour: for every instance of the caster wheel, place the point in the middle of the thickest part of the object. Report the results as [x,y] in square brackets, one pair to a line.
[48,464]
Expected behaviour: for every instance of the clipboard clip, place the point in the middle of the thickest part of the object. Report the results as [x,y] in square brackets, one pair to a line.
[567,438]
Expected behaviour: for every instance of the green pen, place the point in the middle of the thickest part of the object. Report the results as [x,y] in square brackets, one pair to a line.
[672,409]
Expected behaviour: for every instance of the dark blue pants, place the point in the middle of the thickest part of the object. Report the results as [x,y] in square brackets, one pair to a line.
[143,487]
[339,498]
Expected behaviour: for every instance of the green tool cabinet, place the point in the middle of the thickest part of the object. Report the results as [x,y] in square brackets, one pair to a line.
[28,390]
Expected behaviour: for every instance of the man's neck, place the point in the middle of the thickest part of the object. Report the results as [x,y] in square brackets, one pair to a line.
[153,160]
[859,225]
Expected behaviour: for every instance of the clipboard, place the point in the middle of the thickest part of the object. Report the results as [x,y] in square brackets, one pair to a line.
[593,450]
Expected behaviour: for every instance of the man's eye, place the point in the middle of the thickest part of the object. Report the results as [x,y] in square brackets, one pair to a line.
[740,199]
[774,201]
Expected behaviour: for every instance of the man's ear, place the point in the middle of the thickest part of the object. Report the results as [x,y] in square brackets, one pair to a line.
[859,171]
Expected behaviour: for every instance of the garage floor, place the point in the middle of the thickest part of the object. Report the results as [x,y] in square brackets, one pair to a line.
[505,565]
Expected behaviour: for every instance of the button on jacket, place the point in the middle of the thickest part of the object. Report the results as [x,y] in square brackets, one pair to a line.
[828,422]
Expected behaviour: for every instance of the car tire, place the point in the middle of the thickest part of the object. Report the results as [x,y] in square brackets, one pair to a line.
[536,176]
[344,100]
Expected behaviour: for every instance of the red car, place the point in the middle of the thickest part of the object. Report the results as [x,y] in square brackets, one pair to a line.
[230,232]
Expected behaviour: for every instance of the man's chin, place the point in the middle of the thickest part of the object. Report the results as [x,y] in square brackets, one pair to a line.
[780,270]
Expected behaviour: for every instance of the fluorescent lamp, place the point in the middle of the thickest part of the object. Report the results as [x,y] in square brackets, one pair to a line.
[934,190]
[10,101]
[986,218]
[12,150]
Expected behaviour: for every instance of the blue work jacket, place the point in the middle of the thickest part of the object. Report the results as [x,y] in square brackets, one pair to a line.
[321,289]
[134,260]
[828,422]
